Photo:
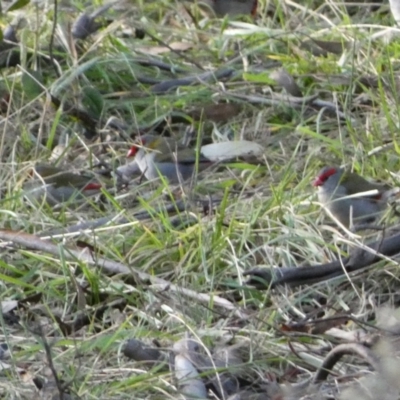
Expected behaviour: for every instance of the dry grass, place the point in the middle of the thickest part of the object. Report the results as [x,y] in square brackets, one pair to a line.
[266,216]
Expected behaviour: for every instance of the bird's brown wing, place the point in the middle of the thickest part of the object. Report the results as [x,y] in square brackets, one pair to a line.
[359,185]
[181,155]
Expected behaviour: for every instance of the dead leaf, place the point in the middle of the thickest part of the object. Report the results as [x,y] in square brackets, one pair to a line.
[228,150]
[8,305]
[315,327]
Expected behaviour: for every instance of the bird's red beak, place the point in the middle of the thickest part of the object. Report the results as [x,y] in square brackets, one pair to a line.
[92,186]
[324,175]
[135,148]
[132,151]
[318,181]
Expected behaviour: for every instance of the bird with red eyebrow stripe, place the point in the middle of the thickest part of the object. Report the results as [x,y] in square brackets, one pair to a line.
[157,156]
[335,185]
[161,156]
[57,186]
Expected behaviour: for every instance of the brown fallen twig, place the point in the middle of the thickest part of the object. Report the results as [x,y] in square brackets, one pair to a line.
[34,242]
